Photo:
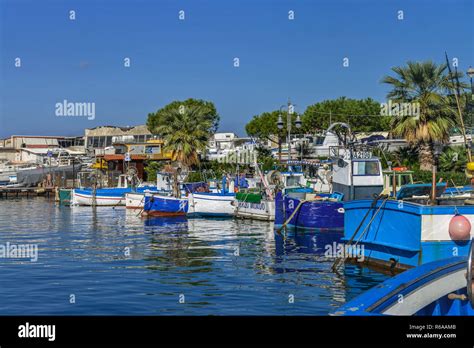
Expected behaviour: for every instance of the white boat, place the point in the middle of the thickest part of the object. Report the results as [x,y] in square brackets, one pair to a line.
[211,204]
[264,209]
[134,200]
[110,196]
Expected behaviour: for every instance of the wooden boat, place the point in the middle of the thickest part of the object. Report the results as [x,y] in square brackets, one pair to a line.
[438,288]
[159,205]
[210,204]
[65,196]
[410,230]
[257,206]
[110,196]
[356,175]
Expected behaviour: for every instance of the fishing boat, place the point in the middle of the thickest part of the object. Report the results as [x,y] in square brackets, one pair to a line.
[438,288]
[214,204]
[356,174]
[411,229]
[257,202]
[255,205]
[211,204]
[65,196]
[111,196]
[164,186]
[160,205]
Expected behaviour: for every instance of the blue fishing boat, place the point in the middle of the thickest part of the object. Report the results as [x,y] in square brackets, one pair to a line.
[410,230]
[438,288]
[294,211]
[356,175]
[159,205]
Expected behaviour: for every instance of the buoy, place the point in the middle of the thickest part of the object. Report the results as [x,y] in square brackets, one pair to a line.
[470,166]
[460,228]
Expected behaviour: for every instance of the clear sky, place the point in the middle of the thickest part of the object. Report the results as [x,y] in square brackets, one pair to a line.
[83,60]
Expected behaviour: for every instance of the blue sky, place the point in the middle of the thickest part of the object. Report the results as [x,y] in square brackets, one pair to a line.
[82,60]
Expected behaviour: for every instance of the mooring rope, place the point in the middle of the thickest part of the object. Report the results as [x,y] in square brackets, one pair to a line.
[141,211]
[338,260]
[292,214]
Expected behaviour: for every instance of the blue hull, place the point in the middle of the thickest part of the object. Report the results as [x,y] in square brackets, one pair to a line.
[156,205]
[113,192]
[397,238]
[424,291]
[311,215]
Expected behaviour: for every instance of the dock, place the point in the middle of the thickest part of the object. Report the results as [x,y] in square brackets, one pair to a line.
[17,192]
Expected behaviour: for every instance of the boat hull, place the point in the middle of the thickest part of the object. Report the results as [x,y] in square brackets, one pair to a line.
[265,210]
[103,197]
[134,200]
[65,196]
[211,205]
[404,234]
[425,291]
[317,215]
[156,205]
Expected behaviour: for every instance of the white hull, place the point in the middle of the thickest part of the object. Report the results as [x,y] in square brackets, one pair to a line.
[265,210]
[211,205]
[134,200]
[80,199]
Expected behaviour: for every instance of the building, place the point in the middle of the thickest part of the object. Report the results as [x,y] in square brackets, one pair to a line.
[228,147]
[30,148]
[98,138]
[127,152]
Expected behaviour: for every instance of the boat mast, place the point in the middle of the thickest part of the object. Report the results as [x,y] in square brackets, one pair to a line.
[456,95]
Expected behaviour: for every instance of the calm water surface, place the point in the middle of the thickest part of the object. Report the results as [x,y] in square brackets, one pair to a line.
[114,262]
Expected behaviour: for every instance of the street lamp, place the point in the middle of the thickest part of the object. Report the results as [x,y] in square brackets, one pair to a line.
[290,112]
[470,73]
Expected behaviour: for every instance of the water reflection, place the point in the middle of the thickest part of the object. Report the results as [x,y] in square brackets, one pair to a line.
[120,263]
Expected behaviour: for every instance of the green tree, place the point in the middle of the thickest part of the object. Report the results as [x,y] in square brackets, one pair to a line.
[264,126]
[406,156]
[207,109]
[152,168]
[453,158]
[363,115]
[429,85]
[185,132]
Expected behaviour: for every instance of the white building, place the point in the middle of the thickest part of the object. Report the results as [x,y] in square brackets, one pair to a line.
[228,147]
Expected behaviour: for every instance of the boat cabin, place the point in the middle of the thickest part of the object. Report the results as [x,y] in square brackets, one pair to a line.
[357,175]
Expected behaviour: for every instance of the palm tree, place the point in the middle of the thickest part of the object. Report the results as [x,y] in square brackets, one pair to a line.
[185,132]
[429,85]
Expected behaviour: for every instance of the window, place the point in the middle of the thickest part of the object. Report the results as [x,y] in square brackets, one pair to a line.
[405,179]
[319,140]
[108,141]
[365,168]
[293,180]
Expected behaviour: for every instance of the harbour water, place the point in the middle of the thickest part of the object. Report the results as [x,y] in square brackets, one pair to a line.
[110,262]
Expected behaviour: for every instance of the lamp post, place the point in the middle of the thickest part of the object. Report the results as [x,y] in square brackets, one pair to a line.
[290,112]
